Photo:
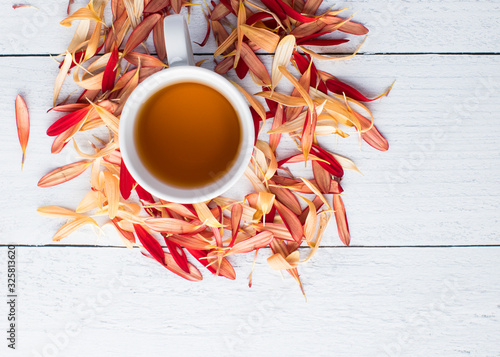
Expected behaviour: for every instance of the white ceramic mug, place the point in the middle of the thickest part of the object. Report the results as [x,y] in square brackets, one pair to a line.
[182,69]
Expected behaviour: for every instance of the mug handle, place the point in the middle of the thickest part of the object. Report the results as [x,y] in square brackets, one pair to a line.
[177,41]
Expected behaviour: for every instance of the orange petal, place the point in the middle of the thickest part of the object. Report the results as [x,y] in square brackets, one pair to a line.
[64,173]
[255,64]
[72,226]
[112,192]
[265,39]
[256,242]
[274,138]
[172,226]
[144,59]
[23,124]
[291,221]
[159,39]
[341,218]
[56,211]
[141,32]
[85,13]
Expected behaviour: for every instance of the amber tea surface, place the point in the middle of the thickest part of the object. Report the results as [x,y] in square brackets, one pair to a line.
[187,135]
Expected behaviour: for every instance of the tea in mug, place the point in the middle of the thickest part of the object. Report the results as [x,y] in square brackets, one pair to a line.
[187,135]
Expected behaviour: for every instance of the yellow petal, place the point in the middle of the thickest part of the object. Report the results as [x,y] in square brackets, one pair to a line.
[112,192]
[282,56]
[265,39]
[72,226]
[56,211]
[206,216]
[61,76]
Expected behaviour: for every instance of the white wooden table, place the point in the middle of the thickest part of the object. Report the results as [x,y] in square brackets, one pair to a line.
[422,277]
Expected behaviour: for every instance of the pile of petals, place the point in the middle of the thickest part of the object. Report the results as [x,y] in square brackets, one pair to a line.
[284,212]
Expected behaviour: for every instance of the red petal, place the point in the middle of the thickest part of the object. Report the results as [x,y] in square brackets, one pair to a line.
[109,76]
[259,16]
[126,181]
[294,14]
[274,6]
[67,121]
[332,42]
[150,244]
[241,69]
[178,254]
[333,166]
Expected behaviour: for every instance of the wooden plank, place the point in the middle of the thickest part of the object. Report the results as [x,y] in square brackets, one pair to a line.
[361,302]
[396,27]
[437,185]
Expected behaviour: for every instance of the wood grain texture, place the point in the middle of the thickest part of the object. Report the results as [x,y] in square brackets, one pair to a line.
[396,27]
[437,185]
[361,302]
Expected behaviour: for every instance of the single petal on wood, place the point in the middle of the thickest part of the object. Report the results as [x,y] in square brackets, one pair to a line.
[23,125]
[64,173]
[56,211]
[341,218]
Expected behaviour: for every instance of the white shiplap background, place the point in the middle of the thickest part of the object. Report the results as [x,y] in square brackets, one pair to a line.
[422,277]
